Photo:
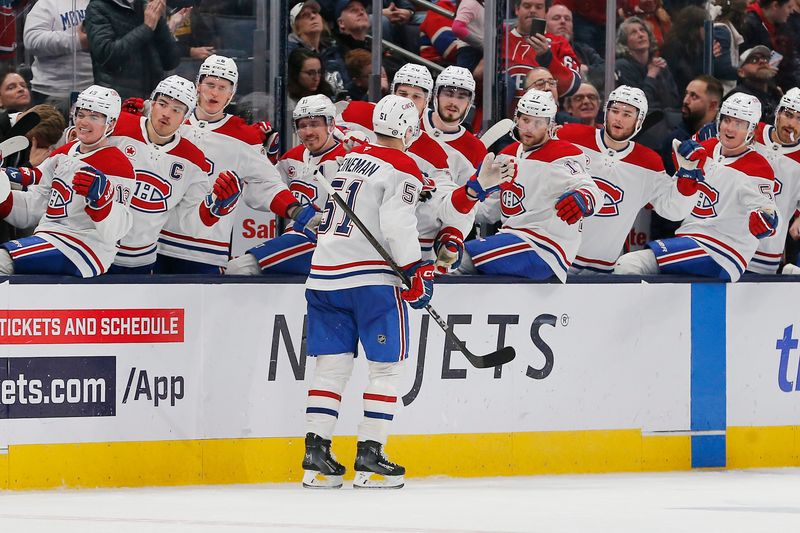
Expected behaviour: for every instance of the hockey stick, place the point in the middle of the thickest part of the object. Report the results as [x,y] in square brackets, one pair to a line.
[24,124]
[493,134]
[12,145]
[500,357]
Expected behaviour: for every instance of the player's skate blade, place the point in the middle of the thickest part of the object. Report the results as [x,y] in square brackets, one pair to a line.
[371,480]
[313,479]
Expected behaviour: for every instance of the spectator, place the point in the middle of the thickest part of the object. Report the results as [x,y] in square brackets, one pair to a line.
[727,33]
[131,45]
[762,20]
[359,69]
[14,93]
[55,35]
[9,11]
[468,27]
[638,65]
[396,13]
[756,77]
[306,76]
[352,25]
[438,42]
[589,20]
[592,64]
[683,48]
[541,79]
[652,13]
[584,105]
[194,33]
[309,31]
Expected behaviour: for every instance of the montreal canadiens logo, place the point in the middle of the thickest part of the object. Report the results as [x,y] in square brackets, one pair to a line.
[612,197]
[151,193]
[705,207]
[511,197]
[304,192]
[60,198]
[130,150]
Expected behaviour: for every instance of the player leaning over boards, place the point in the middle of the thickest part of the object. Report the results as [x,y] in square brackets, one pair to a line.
[314,122]
[542,208]
[630,176]
[780,146]
[171,175]
[230,144]
[79,196]
[735,207]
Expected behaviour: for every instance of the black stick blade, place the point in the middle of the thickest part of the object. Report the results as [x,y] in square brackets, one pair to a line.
[26,123]
[500,357]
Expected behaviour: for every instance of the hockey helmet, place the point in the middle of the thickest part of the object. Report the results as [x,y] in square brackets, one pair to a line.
[744,107]
[100,100]
[219,67]
[396,116]
[178,88]
[316,105]
[535,103]
[458,77]
[633,96]
[790,100]
[416,76]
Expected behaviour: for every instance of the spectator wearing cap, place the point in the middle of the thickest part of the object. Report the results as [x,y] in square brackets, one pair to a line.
[584,105]
[757,78]
[352,25]
[639,65]
[309,31]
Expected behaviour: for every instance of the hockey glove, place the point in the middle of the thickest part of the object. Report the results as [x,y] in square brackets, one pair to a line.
[492,173]
[690,158]
[708,131]
[133,105]
[449,248]
[307,219]
[95,186]
[574,205]
[421,290]
[353,139]
[763,224]
[225,194]
[24,176]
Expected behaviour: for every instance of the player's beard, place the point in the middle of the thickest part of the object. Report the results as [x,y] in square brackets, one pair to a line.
[450,117]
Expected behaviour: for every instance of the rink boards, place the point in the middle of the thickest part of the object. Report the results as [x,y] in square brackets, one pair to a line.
[205,382]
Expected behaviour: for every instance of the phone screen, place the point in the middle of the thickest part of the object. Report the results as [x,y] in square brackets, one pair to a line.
[538,26]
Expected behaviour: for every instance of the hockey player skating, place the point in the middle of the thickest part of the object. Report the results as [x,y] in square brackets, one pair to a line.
[79,197]
[780,145]
[453,95]
[229,144]
[171,175]
[735,207]
[541,209]
[629,175]
[314,122]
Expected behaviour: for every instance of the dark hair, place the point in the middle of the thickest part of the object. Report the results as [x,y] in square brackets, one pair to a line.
[766,3]
[684,34]
[713,86]
[296,60]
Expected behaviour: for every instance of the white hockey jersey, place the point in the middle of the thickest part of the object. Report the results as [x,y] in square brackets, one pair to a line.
[449,206]
[65,219]
[382,185]
[464,151]
[785,161]
[172,177]
[527,204]
[227,144]
[733,188]
[629,180]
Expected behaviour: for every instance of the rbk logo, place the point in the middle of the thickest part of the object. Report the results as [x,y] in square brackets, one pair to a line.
[709,197]
[785,345]
[613,196]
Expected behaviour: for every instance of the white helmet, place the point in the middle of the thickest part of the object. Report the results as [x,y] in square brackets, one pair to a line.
[178,88]
[633,96]
[416,76]
[454,76]
[101,100]
[744,107]
[536,104]
[394,116]
[219,67]
[790,100]
[316,105]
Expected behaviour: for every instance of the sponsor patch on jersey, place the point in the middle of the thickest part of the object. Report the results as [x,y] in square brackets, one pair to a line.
[151,193]
[130,150]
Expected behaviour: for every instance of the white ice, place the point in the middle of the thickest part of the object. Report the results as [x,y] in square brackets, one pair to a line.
[750,501]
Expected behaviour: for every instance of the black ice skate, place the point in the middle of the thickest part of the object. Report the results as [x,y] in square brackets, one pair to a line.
[371,461]
[322,470]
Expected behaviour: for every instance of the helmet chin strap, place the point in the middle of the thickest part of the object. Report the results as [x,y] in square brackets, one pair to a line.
[106,135]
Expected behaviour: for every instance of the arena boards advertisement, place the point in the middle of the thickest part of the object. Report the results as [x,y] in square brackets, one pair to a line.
[114,363]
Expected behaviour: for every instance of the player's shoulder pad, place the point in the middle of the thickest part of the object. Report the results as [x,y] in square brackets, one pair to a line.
[359,112]
[111,160]
[237,128]
[397,159]
[511,149]
[644,157]
[129,125]
[469,145]
[63,150]
[555,149]
[429,150]
[333,153]
[581,134]
[295,153]
[185,149]
[754,165]
[760,130]
[709,144]
[794,155]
